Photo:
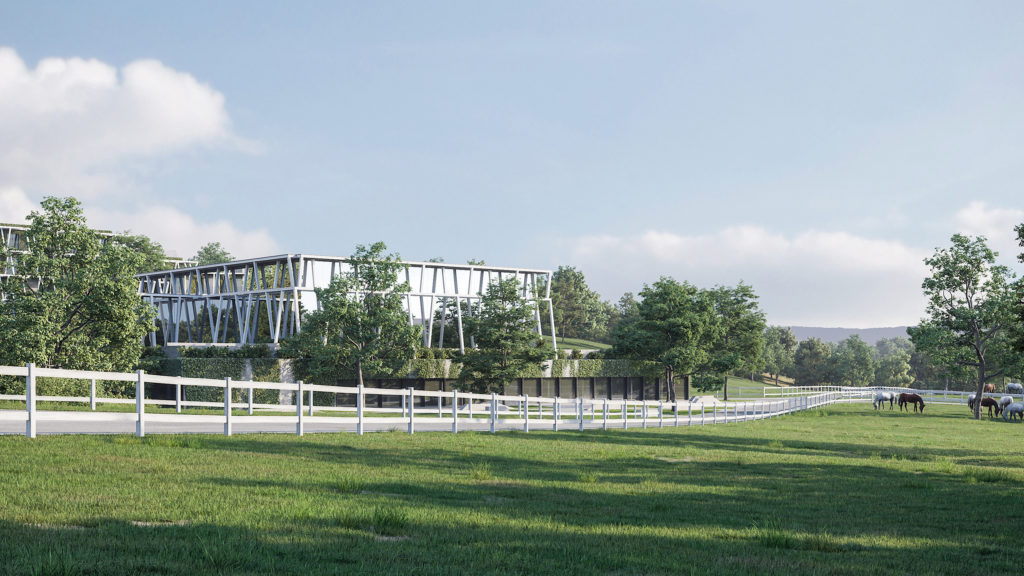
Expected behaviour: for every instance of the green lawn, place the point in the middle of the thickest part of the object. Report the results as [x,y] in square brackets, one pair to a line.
[580,344]
[845,490]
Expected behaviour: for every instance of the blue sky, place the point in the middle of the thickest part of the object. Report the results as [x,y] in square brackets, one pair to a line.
[816,150]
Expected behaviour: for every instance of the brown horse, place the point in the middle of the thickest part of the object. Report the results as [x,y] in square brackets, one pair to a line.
[991,403]
[914,399]
[990,387]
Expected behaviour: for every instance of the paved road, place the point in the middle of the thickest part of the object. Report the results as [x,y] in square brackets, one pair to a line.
[67,422]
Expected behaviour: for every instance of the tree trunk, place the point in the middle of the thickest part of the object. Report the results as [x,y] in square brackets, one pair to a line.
[981,391]
[686,387]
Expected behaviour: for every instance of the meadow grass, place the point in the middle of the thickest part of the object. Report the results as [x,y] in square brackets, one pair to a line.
[842,490]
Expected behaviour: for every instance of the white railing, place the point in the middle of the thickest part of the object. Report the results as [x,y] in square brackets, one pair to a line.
[449,408]
[867,394]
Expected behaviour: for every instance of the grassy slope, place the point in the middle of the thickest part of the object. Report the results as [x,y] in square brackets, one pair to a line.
[580,344]
[840,491]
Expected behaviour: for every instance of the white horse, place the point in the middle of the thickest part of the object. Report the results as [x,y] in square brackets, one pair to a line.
[1003,403]
[970,401]
[1015,388]
[1015,409]
[883,396]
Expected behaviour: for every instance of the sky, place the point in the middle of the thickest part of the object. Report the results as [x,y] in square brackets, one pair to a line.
[818,151]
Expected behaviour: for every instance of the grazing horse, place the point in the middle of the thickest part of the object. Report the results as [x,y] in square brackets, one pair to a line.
[971,400]
[990,387]
[1015,388]
[1015,409]
[1003,403]
[881,397]
[991,403]
[914,399]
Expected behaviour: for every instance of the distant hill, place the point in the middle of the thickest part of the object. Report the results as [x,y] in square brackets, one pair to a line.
[869,335]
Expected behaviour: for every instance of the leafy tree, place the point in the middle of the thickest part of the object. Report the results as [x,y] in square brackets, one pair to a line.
[623,313]
[675,326]
[888,346]
[779,347]
[579,312]
[360,325]
[73,300]
[740,337]
[853,362]
[811,362]
[504,332]
[970,309]
[446,324]
[153,256]
[893,370]
[212,253]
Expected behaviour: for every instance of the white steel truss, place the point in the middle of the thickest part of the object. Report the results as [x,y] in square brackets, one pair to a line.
[262,299]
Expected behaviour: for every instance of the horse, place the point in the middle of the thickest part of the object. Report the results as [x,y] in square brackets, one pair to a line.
[1015,409]
[990,387]
[991,403]
[1003,403]
[970,401]
[882,396]
[1015,388]
[914,399]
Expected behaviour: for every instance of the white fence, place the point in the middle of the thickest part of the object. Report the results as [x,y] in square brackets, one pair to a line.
[436,410]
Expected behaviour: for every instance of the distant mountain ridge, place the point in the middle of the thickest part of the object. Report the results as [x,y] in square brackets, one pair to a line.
[869,335]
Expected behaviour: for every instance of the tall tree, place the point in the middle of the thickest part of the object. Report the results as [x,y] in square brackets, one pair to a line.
[740,337]
[73,300]
[970,306]
[894,370]
[779,347]
[579,312]
[887,346]
[212,253]
[360,325]
[811,362]
[853,362]
[152,253]
[675,326]
[504,333]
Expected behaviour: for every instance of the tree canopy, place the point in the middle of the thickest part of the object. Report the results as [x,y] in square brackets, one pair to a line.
[579,311]
[853,363]
[779,347]
[811,362]
[503,329]
[73,301]
[212,253]
[360,325]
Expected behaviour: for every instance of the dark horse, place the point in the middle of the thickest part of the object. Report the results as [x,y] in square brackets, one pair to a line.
[990,403]
[914,399]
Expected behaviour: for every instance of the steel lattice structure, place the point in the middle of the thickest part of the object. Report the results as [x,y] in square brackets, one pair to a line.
[262,299]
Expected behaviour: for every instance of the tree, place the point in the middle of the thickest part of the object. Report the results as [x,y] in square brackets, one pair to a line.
[970,309]
[675,326]
[152,253]
[72,301]
[811,362]
[779,346]
[622,314]
[504,333]
[888,346]
[212,253]
[853,363]
[579,312]
[894,370]
[360,325]
[740,337]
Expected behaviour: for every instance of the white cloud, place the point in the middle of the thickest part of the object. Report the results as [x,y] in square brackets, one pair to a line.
[76,127]
[15,205]
[996,224]
[181,235]
[815,277]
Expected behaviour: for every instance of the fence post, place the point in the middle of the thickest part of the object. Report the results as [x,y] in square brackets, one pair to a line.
[177,398]
[455,411]
[412,405]
[689,414]
[438,404]
[579,411]
[403,398]
[675,411]
[494,410]
[360,402]
[526,412]
[298,409]
[30,400]
[311,402]
[555,413]
[92,394]
[661,414]
[643,414]
[250,401]
[227,406]
[140,403]
[604,414]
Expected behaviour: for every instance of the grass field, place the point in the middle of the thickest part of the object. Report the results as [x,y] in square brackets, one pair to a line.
[843,490]
[580,344]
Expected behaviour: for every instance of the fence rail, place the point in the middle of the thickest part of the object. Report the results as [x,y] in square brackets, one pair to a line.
[416,409]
